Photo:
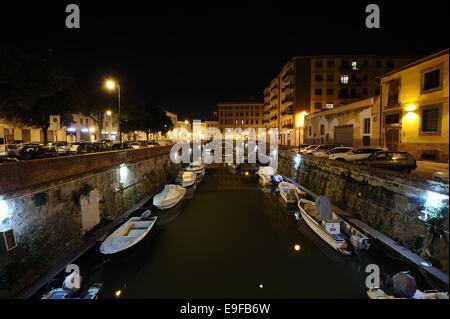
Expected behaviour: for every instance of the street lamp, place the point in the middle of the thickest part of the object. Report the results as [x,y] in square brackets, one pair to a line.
[111,85]
[109,112]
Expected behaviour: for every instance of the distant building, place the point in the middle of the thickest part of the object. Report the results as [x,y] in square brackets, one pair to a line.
[309,84]
[415,108]
[173,117]
[240,115]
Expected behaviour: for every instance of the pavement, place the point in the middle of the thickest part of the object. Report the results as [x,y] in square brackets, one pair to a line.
[431,170]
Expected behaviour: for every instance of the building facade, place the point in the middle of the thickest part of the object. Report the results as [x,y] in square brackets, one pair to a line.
[243,115]
[355,124]
[309,84]
[415,108]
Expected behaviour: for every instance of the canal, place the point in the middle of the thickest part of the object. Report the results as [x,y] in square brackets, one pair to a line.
[233,239]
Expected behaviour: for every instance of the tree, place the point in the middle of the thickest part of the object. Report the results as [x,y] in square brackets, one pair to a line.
[32,89]
[147,118]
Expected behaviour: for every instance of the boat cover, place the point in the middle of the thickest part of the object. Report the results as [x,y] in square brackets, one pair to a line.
[404,285]
[323,208]
[266,170]
[169,192]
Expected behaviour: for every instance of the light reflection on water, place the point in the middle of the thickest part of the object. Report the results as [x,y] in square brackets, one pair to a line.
[233,239]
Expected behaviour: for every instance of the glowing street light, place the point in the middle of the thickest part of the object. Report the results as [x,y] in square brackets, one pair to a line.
[109,112]
[111,85]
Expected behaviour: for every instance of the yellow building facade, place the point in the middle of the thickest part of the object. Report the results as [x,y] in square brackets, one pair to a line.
[415,108]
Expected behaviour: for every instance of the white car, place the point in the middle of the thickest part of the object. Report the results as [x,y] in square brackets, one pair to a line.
[308,148]
[320,148]
[355,154]
[327,153]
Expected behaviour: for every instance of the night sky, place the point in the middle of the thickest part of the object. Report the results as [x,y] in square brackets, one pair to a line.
[188,57]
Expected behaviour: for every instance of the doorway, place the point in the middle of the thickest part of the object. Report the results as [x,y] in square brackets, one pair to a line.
[392,139]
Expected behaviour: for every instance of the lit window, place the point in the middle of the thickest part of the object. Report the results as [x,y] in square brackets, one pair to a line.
[354,65]
[344,79]
[329,105]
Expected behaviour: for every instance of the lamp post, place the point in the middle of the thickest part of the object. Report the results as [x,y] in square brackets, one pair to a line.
[111,85]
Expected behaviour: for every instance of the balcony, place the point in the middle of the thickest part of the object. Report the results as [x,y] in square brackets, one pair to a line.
[274,97]
[288,98]
[266,112]
[273,118]
[287,111]
[287,126]
[273,108]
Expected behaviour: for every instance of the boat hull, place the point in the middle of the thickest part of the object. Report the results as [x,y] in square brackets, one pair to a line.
[338,245]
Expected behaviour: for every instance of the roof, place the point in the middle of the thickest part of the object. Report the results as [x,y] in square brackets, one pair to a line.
[417,62]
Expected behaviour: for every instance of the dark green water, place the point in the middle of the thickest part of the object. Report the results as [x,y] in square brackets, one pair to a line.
[234,240]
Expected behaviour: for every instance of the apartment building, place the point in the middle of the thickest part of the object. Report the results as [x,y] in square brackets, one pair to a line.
[240,115]
[415,108]
[309,84]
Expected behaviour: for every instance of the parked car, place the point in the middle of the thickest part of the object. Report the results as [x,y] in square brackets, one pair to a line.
[139,144]
[397,161]
[307,148]
[57,148]
[327,153]
[356,154]
[29,152]
[121,146]
[320,148]
[152,143]
[14,150]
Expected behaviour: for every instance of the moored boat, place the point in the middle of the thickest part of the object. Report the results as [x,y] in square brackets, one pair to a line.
[170,196]
[61,293]
[268,177]
[186,179]
[289,192]
[324,222]
[196,167]
[128,235]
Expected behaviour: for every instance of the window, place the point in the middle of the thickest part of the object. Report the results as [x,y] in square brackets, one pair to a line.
[365,91]
[393,92]
[257,121]
[431,80]
[81,121]
[392,119]
[399,156]
[330,77]
[430,120]
[330,91]
[318,92]
[330,64]
[380,157]
[367,125]
[318,105]
[319,64]
[329,105]
[310,130]
[322,129]
[319,77]
[344,79]
[343,93]
[377,91]
[355,66]
[353,93]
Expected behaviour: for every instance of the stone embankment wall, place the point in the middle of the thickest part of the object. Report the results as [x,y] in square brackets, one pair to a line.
[54,205]
[387,201]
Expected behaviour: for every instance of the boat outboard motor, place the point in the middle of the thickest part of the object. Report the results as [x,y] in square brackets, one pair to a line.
[72,284]
[404,285]
[323,208]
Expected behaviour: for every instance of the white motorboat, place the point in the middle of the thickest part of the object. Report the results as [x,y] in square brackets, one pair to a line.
[128,235]
[61,293]
[186,179]
[403,286]
[268,176]
[196,167]
[170,196]
[289,192]
[324,222]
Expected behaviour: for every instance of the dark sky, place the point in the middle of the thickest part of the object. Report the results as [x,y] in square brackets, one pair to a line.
[188,57]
